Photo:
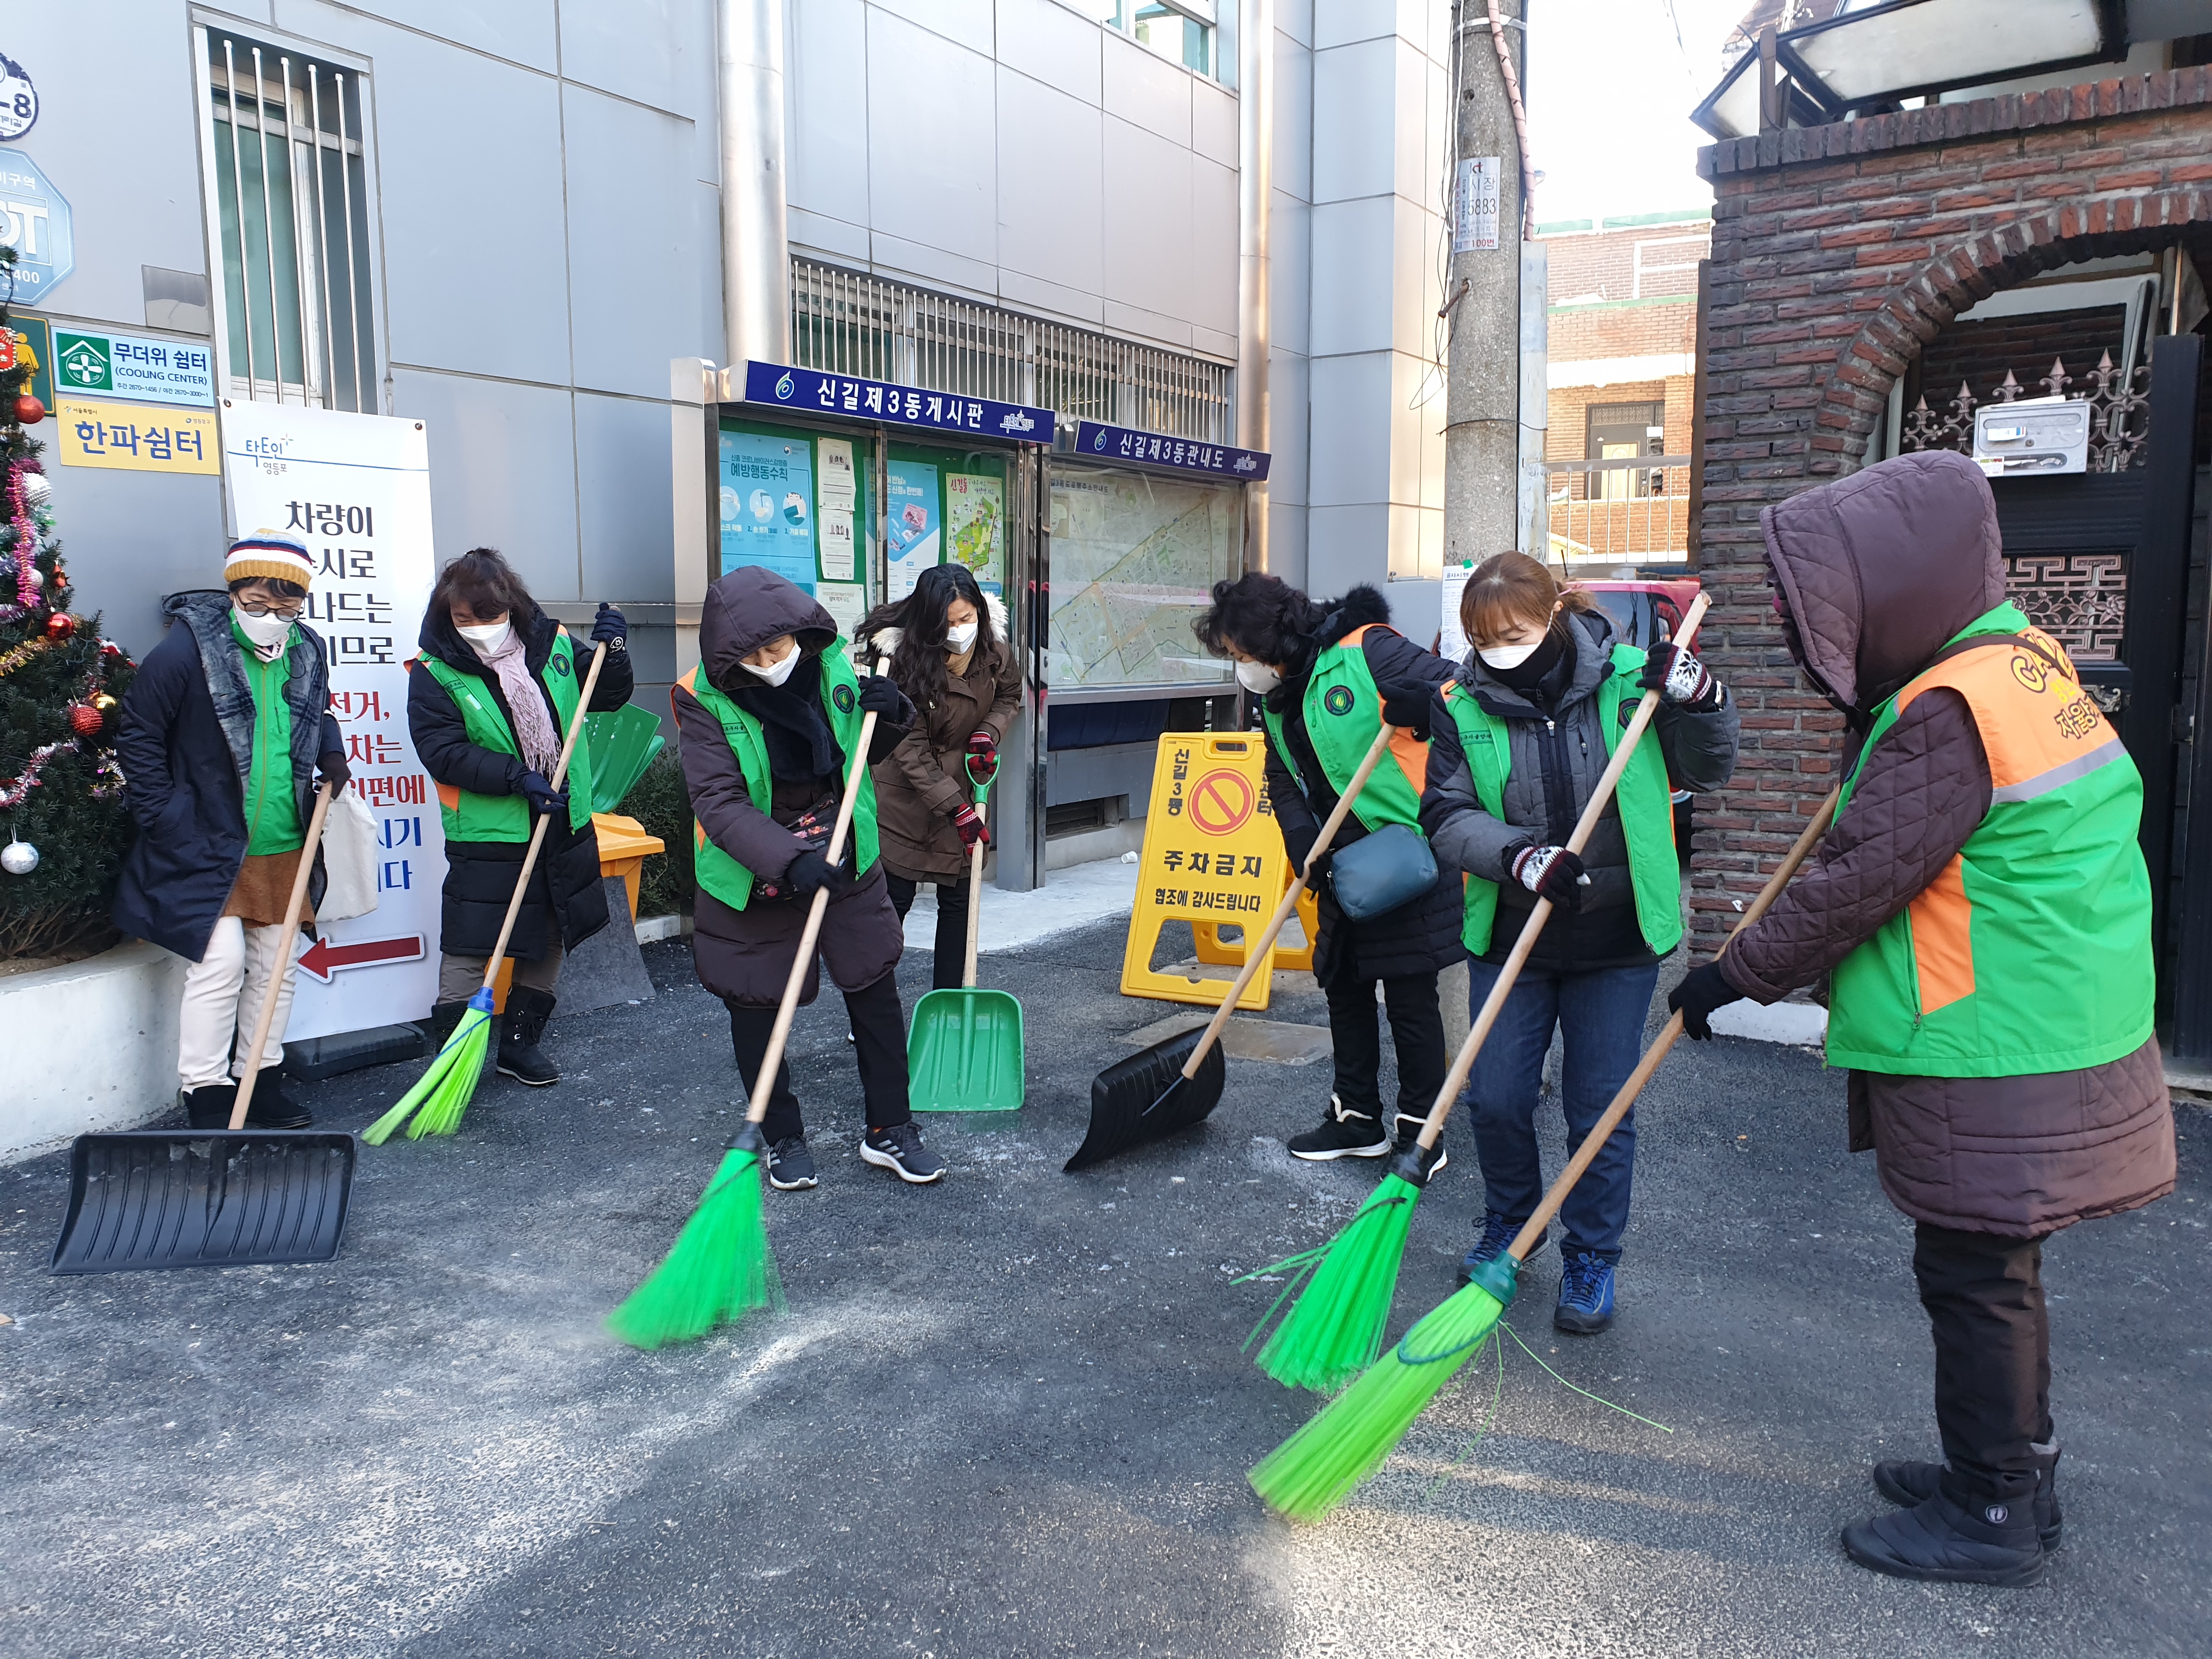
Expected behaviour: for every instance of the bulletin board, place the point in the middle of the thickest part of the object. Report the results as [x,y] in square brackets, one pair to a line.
[799,502]
[945,506]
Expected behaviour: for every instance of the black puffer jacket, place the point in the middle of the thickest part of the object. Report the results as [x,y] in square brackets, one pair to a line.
[1421,936]
[1559,754]
[480,874]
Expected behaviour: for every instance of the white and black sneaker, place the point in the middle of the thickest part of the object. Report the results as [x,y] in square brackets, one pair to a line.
[1409,1136]
[1343,1133]
[899,1149]
[790,1166]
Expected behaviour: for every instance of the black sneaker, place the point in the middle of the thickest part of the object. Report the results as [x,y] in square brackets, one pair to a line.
[1343,1133]
[899,1149]
[1913,1484]
[1409,1135]
[1941,1541]
[790,1166]
[209,1108]
[272,1109]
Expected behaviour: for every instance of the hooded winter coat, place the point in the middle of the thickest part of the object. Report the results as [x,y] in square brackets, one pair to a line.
[1877,572]
[1558,753]
[480,874]
[185,740]
[1421,936]
[744,955]
[925,779]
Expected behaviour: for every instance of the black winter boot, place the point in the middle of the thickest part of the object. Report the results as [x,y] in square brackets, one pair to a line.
[520,1028]
[440,1026]
[1995,1544]
[271,1108]
[1909,1484]
[209,1108]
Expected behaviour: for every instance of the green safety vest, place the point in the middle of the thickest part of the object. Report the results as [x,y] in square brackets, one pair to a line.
[2031,951]
[715,869]
[470,817]
[1344,711]
[1643,799]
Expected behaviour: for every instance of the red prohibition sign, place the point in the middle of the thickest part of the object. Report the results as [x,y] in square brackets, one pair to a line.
[1221,801]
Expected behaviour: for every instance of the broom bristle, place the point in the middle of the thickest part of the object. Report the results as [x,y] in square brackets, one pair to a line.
[721,1266]
[1313,1471]
[458,1063]
[1334,1328]
[457,1085]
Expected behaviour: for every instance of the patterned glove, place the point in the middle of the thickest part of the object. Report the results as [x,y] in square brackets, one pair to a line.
[1553,873]
[1680,678]
[1702,991]
[969,823]
[982,756]
[609,627]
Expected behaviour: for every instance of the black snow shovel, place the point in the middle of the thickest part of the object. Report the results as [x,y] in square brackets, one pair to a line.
[1177,1081]
[213,1197]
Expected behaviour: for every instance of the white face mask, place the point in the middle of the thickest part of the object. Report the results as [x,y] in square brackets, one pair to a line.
[1510,656]
[1257,677]
[959,639]
[487,637]
[264,631]
[781,672]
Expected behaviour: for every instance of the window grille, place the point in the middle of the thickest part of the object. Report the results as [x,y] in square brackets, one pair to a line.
[845,322]
[291,200]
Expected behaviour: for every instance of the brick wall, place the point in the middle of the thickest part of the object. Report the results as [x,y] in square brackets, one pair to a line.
[1838,251]
[1980,354]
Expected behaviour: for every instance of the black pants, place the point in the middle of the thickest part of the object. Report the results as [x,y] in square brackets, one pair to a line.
[952,963]
[1984,1294]
[879,1045]
[1417,1028]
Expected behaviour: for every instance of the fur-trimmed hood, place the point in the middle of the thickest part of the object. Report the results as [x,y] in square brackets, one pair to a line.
[886,639]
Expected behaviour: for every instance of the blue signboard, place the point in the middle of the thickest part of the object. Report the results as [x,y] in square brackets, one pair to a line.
[767,496]
[34,220]
[1121,443]
[818,394]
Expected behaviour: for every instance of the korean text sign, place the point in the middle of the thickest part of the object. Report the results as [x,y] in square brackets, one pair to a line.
[134,438]
[357,490]
[814,392]
[1095,440]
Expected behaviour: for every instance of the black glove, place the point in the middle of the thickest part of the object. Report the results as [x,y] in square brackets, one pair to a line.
[1680,678]
[1407,706]
[1702,990]
[883,699]
[333,770]
[810,873]
[1299,844]
[544,799]
[608,626]
[1551,873]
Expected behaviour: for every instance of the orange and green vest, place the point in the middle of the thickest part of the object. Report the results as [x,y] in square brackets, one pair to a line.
[715,869]
[1343,712]
[1643,799]
[470,817]
[2031,951]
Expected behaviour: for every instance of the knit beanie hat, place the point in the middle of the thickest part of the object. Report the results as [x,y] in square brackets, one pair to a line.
[276,554]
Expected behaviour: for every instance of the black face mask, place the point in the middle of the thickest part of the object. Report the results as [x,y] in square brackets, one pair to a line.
[1528,673]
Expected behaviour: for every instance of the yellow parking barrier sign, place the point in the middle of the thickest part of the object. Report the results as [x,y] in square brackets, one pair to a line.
[1212,855]
[1291,958]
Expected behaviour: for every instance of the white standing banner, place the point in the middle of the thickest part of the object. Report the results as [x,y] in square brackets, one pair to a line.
[357,490]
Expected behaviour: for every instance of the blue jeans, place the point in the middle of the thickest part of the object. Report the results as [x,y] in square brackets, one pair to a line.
[1600,1016]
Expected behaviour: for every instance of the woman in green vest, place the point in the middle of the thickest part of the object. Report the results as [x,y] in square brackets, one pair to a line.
[768,721]
[1521,739]
[488,702]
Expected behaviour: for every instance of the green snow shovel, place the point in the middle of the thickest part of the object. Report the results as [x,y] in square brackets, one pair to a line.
[965,1052]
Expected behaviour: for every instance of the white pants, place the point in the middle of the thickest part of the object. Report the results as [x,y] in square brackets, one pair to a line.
[222,1000]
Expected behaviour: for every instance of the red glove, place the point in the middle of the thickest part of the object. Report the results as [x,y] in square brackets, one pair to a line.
[969,823]
[982,756]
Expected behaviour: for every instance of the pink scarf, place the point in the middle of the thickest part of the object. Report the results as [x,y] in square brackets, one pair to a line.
[533,721]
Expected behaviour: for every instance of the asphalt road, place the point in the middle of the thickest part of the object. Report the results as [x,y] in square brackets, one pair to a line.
[1008,1415]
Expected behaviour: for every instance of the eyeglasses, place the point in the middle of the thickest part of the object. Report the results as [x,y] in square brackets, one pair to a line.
[288,612]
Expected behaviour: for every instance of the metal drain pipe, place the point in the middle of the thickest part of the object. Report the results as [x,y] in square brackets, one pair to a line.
[756,237]
[1255,185]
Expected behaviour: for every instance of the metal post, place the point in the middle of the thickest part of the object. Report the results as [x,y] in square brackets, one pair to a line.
[2154,653]
[756,237]
[238,194]
[1255,186]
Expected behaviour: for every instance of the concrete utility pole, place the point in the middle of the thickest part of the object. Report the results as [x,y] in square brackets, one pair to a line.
[1485,409]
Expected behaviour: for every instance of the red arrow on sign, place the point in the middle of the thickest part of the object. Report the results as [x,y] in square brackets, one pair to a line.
[323,958]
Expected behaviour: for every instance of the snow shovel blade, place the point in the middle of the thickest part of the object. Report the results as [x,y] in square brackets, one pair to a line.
[204,1198]
[965,1053]
[1146,1096]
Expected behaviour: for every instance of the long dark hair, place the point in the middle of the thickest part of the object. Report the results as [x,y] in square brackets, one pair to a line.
[918,664]
[1263,617]
[485,582]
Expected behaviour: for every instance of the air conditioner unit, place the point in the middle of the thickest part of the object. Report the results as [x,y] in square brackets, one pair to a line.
[2036,436]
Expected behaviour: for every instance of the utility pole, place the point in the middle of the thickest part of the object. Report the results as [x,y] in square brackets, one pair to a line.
[1494,299]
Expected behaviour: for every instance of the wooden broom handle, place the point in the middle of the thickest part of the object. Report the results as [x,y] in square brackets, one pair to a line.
[538,833]
[1517,958]
[1594,1142]
[281,970]
[764,1083]
[1255,951]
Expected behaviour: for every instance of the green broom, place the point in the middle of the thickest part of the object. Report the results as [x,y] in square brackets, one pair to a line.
[444,1091]
[721,1267]
[1334,1330]
[1346,1440]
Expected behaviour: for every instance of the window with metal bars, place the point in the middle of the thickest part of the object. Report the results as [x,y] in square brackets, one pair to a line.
[284,143]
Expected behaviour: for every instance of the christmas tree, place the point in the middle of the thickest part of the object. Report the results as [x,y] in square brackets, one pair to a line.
[63,819]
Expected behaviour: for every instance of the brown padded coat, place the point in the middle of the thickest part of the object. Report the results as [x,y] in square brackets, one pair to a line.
[1877,572]
[924,780]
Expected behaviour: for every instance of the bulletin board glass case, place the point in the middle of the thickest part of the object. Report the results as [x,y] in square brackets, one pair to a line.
[945,506]
[801,504]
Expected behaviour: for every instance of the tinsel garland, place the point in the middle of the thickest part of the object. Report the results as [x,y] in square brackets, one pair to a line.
[12,661]
[17,790]
[24,546]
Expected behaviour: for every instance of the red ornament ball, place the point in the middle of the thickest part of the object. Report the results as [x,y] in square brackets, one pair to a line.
[29,411]
[60,625]
[85,720]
